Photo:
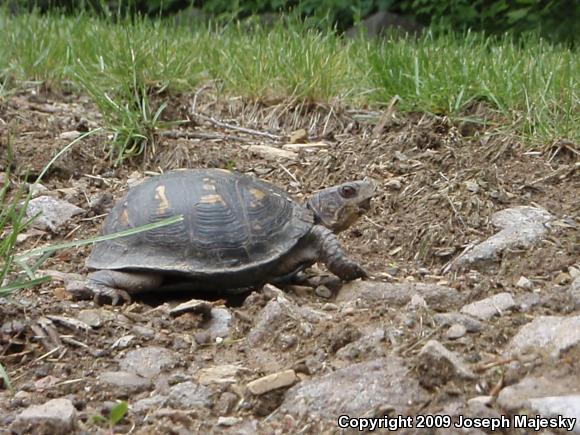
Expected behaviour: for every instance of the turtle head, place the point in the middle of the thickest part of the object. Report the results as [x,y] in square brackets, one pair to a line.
[340,206]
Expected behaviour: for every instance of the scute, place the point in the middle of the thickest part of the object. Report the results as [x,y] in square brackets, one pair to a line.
[231,222]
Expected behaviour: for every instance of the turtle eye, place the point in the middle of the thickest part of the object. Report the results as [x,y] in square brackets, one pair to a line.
[347,191]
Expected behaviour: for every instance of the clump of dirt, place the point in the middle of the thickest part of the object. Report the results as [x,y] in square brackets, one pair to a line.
[440,183]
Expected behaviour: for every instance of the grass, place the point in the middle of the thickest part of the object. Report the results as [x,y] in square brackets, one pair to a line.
[132,68]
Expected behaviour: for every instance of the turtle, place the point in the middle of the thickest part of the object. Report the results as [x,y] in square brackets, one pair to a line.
[237,233]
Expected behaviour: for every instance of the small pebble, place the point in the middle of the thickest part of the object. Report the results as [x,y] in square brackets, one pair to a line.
[525,283]
[455,331]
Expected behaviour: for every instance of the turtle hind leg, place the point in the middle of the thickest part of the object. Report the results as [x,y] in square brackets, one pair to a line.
[114,285]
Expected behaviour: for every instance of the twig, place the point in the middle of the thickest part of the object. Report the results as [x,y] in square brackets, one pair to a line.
[235,127]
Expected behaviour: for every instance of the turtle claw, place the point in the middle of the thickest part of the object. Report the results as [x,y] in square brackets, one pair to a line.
[103,294]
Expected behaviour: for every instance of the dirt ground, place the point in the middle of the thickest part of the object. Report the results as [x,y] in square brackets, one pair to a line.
[440,181]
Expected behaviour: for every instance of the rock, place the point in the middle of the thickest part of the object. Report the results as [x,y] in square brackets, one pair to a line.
[148,362]
[124,383]
[438,365]
[54,213]
[70,135]
[516,397]
[272,382]
[455,331]
[219,323]
[148,404]
[187,395]
[561,407]
[57,416]
[228,421]
[95,317]
[521,227]
[224,374]
[416,302]
[323,292]
[123,342]
[486,308]
[37,189]
[448,319]
[271,153]
[525,283]
[394,184]
[574,272]
[277,312]
[381,22]
[368,345]
[574,292]
[143,331]
[354,390]
[371,293]
[299,136]
[546,334]
[192,306]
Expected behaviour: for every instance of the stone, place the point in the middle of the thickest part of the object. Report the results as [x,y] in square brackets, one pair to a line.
[354,390]
[485,309]
[187,395]
[521,227]
[148,362]
[219,324]
[95,317]
[57,416]
[224,374]
[299,136]
[370,293]
[546,335]
[143,331]
[574,292]
[562,407]
[70,135]
[192,306]
[525,283]
[276,313]
[438,365]
[124,383]
[54,213]
[37,189]
[369,345]
[271,153]
[448,319]
[514,398]
[272,382]
[455,331]
[323,292]
[228,421]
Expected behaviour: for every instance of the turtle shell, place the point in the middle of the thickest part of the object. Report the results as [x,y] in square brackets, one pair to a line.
[232,222]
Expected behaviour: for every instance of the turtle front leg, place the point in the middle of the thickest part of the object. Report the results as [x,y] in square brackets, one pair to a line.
[115,285]
[333,256]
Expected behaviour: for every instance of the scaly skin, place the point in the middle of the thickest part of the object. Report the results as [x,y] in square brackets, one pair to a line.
[333,256]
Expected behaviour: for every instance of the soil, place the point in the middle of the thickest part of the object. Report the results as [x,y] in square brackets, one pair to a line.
[441,180]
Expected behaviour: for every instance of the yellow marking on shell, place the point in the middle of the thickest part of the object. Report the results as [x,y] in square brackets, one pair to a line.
[257,194]
[160,196]
[208,185]
[124,219]
[212,199]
